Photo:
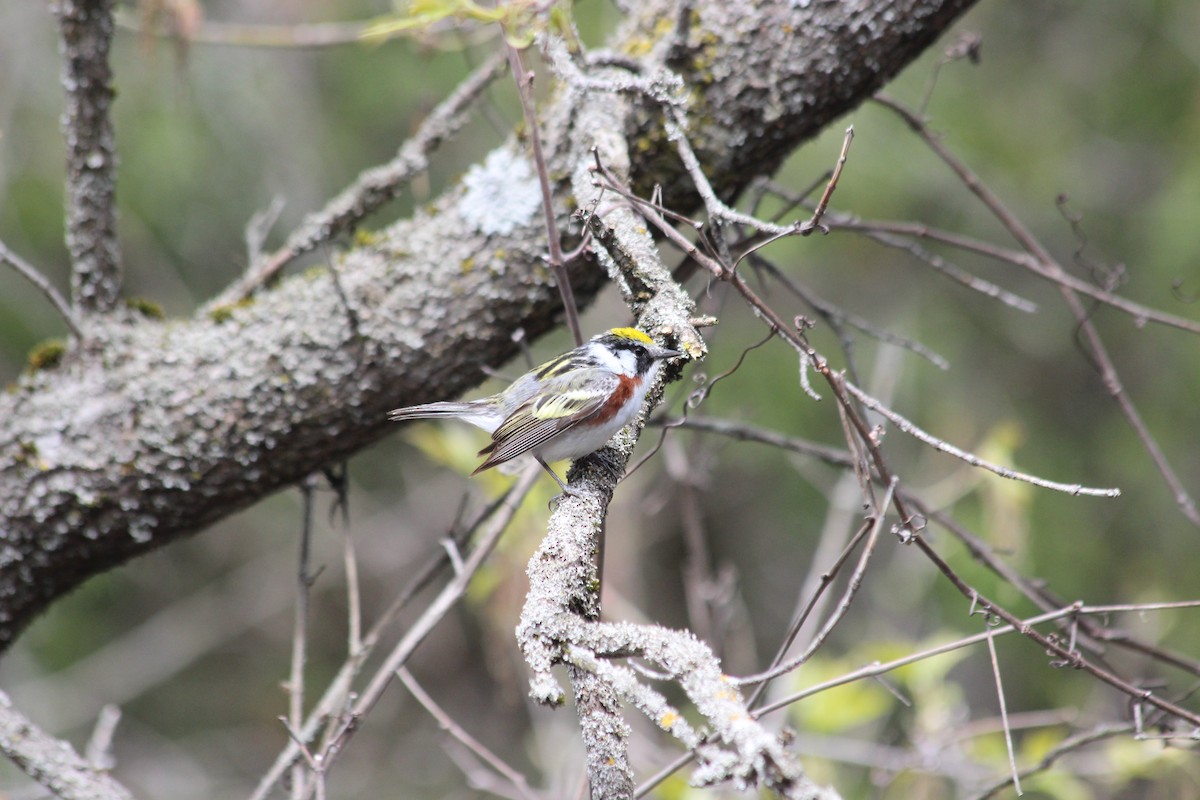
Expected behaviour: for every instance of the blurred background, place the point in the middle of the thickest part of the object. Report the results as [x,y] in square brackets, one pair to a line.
[1097,102]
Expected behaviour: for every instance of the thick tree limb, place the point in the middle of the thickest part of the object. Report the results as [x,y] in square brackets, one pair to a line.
[156,430]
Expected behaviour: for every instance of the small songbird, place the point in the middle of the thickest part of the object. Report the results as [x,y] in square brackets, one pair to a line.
[566,408]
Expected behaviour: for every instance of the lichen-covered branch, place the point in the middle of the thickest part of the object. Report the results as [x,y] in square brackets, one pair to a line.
[52,762]
[560,621]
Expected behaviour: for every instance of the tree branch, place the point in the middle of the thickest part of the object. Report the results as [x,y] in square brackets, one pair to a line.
[53,762]
[86,28]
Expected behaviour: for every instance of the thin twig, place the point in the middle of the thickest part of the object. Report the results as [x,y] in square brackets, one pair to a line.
[304,581]
[99,747]
[334,699]
[814,223]
[1008,741]
[1055,273]
[1097,351]
[675,124]
[750,433]
[910,534]
[524,82]
[317,785]
[852,587]
[372,189]
[447,723]
[338,481]
[449,596]
[907,426]
[1065,747]
[31,274]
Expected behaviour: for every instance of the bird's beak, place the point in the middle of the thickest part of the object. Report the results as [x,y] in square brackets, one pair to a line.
[662,352]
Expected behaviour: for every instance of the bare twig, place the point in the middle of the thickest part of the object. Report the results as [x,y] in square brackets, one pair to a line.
[852,587]
[814,222]
[1008,741]
[1051,269]
[941,445]
[750,433]
[99,747]
[557,262]
[447,723]
[86,28]
[675,124]
[449,596]
[31,274]
[304,581]
[316,786]
[339,483]
[1065,747]
[335,696]
[372,189]
[1022,626]
[909,533]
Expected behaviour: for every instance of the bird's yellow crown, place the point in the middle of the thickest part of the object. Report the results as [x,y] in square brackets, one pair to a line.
[632,333]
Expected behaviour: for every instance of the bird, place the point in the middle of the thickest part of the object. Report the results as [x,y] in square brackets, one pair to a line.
[566,408]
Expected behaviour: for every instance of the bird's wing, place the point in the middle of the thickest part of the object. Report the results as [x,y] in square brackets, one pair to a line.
[554,410]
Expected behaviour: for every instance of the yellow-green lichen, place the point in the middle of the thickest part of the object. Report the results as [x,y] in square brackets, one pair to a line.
[638,46]
[147,308]
[47,355]
[221,313]
[26,452]
[224,312]
[367,238]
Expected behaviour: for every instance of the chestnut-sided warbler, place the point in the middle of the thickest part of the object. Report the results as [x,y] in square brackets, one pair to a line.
[566,408]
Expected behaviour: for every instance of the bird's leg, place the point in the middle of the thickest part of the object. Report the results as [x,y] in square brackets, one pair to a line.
[566,489]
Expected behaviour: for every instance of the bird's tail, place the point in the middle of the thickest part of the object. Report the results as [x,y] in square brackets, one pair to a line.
[443,409]
[467,412]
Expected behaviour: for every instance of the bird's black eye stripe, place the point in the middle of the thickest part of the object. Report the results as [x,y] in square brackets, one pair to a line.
[639,351]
